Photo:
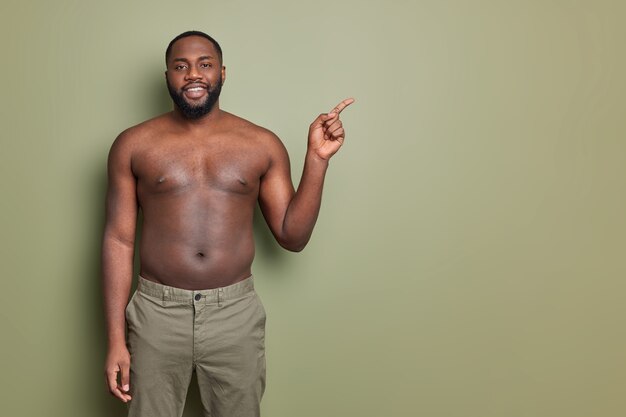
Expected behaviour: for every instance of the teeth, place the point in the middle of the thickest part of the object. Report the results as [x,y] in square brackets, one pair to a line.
[195,89]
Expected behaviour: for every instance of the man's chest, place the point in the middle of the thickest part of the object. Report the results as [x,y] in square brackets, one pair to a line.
[169,167]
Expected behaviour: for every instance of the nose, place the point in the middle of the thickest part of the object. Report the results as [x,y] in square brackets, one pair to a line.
[193,73]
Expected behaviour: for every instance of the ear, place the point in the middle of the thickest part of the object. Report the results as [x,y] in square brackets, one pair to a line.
[223,74]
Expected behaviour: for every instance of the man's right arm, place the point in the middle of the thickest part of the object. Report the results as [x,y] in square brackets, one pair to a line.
[117,261]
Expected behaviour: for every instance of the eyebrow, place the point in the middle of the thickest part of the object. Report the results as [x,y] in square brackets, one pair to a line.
[199,59]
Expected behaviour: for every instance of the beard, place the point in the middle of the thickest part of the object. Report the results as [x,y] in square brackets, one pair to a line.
[195,112]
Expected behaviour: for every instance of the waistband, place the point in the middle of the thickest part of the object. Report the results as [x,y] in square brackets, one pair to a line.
[213,295]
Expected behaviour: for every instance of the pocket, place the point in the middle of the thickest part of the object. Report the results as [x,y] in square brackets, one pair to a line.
[260,320]
[261,306]
[130,302]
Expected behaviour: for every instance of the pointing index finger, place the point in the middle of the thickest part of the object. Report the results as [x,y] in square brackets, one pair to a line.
[339,107]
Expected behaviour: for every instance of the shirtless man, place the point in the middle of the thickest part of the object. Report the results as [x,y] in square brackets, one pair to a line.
[197,173]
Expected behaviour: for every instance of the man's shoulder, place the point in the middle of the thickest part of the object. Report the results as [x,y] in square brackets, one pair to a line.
[248,129]
[130,140]
[145,128]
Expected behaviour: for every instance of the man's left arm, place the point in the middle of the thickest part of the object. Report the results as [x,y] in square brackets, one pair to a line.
[291,215]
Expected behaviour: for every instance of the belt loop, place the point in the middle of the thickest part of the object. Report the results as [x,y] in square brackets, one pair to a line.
[219,297]
[166,293]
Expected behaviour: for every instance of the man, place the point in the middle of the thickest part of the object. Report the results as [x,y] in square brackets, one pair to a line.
[197,173]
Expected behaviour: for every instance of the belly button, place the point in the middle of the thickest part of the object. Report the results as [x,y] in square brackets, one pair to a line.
[200,255]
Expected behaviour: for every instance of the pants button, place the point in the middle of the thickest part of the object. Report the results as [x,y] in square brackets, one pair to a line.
[198,297]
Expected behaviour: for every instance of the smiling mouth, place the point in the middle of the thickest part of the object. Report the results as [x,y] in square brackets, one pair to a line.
[194,92]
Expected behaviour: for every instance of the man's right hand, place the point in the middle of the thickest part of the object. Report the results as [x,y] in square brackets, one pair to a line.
[118,360]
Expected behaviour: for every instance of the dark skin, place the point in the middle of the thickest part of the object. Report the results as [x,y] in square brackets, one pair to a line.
[197,183]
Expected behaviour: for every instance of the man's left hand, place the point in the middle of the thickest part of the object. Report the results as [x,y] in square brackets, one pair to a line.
[326,134]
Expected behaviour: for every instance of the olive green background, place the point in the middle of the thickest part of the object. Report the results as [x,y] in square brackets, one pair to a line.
[469,258]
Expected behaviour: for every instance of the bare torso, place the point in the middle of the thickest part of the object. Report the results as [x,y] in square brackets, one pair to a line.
[197,193]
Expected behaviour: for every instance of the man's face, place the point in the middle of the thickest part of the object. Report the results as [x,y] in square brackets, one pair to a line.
[194,76]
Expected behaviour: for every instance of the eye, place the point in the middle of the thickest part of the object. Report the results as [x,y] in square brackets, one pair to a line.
[178,67]
[206,65]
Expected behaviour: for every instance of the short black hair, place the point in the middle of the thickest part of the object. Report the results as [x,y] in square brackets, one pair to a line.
[168,51]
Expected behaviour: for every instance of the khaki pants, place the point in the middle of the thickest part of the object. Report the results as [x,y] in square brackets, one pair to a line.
[217,333]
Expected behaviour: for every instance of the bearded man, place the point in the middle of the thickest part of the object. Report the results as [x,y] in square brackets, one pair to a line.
[197,173]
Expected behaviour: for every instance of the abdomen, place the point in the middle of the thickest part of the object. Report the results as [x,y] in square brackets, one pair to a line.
[198,240]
